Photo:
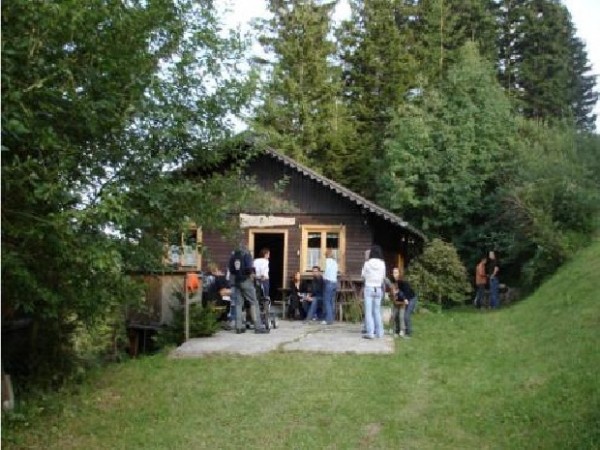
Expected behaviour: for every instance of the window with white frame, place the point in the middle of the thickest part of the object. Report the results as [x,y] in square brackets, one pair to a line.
[316,240]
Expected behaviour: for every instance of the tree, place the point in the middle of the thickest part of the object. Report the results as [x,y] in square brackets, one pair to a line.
[379,71]
[99,99]
[552,206]
[441,27]
[301,112]
[448,150]
[543,65]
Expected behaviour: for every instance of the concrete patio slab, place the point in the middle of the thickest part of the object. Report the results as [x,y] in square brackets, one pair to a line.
[289,336]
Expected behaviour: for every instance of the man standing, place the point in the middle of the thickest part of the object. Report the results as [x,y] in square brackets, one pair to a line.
[492,270]
[329,286]
[480,282]
[240,268]
[261,270]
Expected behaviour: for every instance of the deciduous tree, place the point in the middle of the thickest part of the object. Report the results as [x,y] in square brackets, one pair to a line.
[99,100]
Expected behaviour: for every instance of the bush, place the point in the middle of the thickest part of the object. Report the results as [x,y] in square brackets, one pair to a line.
[438,275]
[203,323]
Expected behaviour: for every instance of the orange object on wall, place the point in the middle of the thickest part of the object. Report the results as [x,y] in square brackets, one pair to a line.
[193,282]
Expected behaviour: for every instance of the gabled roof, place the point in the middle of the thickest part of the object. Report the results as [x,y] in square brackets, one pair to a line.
[344,192]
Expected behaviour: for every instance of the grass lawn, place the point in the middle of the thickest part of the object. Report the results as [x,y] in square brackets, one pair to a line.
[525,377]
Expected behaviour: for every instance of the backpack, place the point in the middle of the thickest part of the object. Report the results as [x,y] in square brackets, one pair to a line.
[238,265]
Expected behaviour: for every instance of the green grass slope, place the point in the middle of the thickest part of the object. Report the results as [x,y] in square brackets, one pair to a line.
[524,377]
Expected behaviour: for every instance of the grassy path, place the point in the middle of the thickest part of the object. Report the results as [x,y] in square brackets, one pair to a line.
[523,377]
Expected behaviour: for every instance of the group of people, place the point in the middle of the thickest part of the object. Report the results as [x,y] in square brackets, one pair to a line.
[487,276]
[237,289]
[375,284]
[314,299]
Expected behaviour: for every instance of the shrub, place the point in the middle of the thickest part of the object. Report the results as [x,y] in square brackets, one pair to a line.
[203,323]
[438,275]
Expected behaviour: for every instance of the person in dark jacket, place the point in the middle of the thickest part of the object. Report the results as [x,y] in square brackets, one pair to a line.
[405,292]
[400,303]
[298,292]
[218,290]
[493,273]
[242,272]
[314,299]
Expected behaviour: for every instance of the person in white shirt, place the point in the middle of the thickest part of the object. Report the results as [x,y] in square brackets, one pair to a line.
[373,272]
[330,275]
[261,270]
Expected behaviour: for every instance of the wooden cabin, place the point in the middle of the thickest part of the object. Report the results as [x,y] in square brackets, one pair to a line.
[324,214]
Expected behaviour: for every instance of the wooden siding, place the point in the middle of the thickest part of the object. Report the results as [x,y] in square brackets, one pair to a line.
[318,205]
[311,197]
[358,239]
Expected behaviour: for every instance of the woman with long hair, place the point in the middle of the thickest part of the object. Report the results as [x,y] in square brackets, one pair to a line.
[373,272]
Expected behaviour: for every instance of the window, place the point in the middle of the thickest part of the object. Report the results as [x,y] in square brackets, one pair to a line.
[183,250]
[317,239]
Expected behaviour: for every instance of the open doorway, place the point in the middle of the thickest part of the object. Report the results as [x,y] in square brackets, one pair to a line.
[275,242]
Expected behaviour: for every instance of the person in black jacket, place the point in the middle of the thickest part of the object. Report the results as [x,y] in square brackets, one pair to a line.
[493,271]
[405,292]
[314,299]
[298,292]
[399,301]
[242,272]
[217,290]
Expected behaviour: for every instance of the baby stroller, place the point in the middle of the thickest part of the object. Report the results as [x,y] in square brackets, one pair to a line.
[268,318]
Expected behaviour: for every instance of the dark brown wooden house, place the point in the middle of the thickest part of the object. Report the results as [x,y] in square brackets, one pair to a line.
[306,214]
[324,214]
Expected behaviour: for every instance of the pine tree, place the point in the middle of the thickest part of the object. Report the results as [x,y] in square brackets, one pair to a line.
[543,65]
[378,74]
[442,27]
[302,113]
[582,89]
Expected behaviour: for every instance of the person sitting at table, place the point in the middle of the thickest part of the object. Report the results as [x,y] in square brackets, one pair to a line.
[218,292]
[314,298]
[298,291]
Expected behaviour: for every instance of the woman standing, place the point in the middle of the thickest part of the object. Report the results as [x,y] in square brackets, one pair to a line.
[373,272]
[400,303]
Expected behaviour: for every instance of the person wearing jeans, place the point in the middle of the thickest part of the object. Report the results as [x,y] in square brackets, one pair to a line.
[494,296]
[412,304]
[480,282]
[406,294]
[329,286]
[493,269]
[315,294]
[373,272]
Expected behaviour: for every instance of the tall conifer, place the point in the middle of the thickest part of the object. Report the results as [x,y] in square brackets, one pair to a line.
[301,112]
[543,65]
[378,74]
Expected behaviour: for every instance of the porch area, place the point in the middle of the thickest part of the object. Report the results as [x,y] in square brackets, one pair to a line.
[290,336]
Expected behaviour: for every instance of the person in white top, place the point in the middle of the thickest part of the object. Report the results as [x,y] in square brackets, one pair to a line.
[330,275]
[261,269]
[373,272]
